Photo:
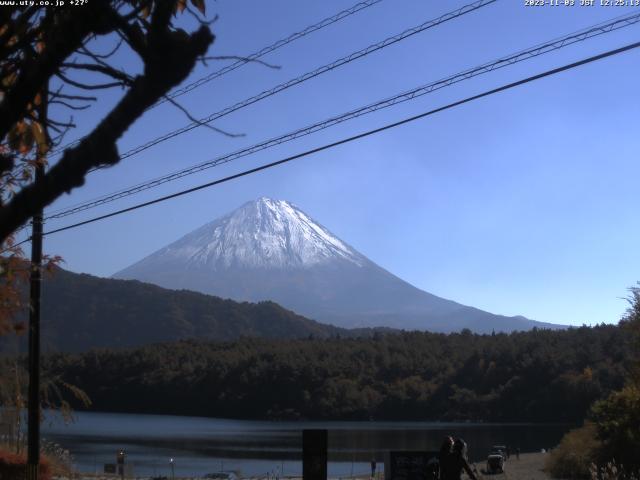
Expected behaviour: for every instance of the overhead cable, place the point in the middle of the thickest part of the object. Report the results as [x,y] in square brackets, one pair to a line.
[253,57]
[355,137]
[274,46]
[307,76]
[511,59]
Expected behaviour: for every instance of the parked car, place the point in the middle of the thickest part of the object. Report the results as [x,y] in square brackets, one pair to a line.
[501,450]
[495,463]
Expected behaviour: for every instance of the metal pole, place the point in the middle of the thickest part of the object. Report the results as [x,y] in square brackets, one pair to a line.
[33,432]
[33,445]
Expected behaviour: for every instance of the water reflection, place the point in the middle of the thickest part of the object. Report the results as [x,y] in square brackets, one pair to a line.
[260,448]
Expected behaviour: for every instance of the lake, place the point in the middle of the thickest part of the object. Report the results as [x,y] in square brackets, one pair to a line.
[267,448]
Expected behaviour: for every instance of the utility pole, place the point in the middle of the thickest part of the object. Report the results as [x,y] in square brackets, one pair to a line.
[35,278]
[34,342]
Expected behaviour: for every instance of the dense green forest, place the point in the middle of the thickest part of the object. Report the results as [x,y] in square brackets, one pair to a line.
[540,375]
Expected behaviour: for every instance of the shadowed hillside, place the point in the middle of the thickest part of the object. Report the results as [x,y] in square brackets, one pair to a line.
[81,311]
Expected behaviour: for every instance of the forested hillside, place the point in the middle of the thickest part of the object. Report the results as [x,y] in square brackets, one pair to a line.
[540,375]
[81,311]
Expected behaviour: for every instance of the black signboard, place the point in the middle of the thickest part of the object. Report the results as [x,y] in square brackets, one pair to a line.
[314,455]
[411,466]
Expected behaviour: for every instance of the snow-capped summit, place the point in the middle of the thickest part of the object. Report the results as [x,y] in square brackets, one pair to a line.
[271,250]
[266,234]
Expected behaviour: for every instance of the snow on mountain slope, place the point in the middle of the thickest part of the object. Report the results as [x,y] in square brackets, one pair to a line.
[262,234]
[271,250]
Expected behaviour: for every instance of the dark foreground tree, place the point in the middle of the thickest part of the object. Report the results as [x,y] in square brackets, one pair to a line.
[607,445]
[47,57]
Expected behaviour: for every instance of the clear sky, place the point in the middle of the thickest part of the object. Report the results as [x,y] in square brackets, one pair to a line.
[522,203]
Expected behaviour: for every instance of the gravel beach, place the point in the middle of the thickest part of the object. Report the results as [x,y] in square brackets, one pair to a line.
[530,466]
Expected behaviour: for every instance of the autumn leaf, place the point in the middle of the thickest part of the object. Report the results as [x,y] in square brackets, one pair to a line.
[40,138]
[27,138]
[9,80]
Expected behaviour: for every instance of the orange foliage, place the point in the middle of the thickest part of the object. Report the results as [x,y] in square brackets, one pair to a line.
[14,466]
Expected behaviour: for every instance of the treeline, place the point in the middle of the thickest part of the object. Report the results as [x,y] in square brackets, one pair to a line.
[541,375]
[606,446]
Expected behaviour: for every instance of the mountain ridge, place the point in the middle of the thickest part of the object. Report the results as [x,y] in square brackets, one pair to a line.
[82,311]
[271,250]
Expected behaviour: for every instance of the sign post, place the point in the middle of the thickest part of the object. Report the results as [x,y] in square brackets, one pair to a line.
[314,455]
[120,461]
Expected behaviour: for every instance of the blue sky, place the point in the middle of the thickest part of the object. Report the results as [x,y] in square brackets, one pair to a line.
[522,203]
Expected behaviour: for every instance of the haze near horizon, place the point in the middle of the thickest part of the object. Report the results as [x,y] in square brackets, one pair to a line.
[519,204]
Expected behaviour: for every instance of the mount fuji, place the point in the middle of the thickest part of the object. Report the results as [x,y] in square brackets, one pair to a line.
[271,250]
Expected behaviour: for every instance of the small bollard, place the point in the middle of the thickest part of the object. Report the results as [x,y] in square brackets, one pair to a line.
[120,462]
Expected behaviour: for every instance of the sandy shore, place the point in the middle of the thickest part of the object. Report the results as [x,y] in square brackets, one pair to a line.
[530,466]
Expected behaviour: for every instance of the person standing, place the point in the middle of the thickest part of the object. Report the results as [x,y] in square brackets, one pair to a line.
[452,464]
[443,457]
[373,468]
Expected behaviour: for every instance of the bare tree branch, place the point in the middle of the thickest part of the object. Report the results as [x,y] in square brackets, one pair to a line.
[86,86]
[77,24]
[69,124]
[85,51]
[73,97]
[103,69]
[68,105]
[202,21]
[168,56]
[203,124]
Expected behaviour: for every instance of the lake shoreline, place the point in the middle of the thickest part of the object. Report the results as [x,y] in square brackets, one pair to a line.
[458,422]
[530,466]
[268,449]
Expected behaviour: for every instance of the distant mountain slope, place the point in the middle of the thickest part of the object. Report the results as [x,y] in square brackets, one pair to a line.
[81,311]
[271,250]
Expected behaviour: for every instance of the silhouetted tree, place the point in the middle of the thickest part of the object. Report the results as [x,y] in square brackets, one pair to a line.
[40,45]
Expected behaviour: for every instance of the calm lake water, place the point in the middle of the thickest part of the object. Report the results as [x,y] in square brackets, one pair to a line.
[260,448]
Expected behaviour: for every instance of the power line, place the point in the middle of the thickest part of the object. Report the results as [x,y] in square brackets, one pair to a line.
[309,75]
[487,93]
[280,43]
[522,55]
[252,57]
